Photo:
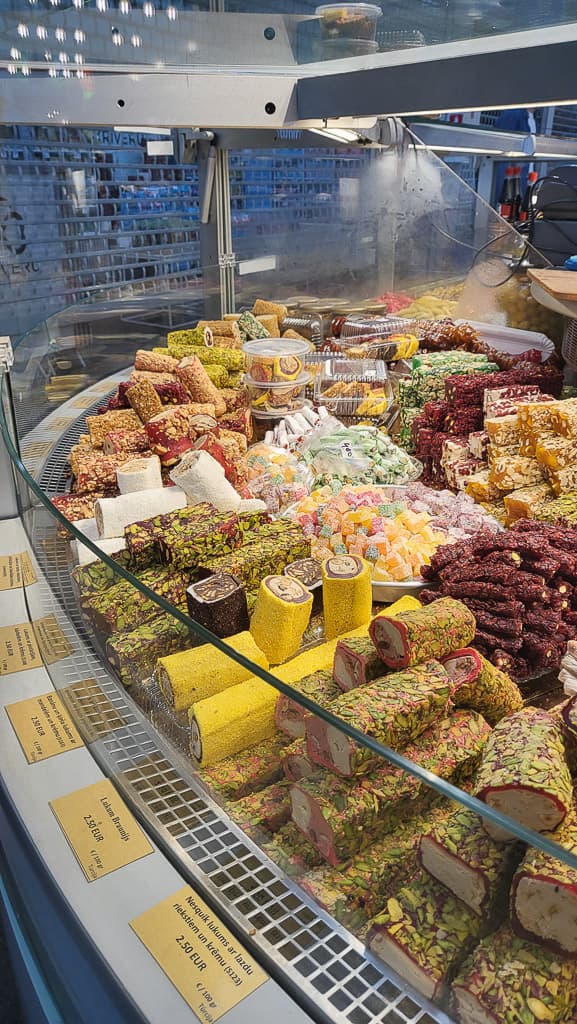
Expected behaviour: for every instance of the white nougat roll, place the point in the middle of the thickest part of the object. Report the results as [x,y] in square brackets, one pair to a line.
[110,546]
[113,514]
[139,475]
[88,527]
[202,479]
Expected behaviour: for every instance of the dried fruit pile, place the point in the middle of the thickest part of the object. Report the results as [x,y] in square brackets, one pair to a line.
[520,585]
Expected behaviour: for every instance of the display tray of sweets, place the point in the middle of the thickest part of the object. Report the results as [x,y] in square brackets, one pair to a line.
[396,529]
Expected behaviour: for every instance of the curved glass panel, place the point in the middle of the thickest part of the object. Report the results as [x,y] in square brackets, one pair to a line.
[319,866]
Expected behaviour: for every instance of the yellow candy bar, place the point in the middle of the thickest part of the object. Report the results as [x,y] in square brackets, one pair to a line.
[556,452]
[480,488]
[281,615]
[231,721]
[562,481]
[347,594]
[190,676]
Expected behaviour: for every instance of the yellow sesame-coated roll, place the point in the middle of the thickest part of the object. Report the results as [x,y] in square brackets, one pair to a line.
[229,722]
[281,615]
[194,675]
[347,594]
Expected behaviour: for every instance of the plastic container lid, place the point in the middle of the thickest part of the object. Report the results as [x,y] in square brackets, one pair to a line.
[274,347]
[268,385]
[365,10]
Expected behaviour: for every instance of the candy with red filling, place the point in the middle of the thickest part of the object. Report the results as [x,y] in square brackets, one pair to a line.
[432,632]
[394,710]
[524,773]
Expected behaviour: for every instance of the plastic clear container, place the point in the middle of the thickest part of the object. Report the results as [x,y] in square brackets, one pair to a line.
[276,398]
[354,388]
[368,325]
[335,49]
[349,21]
[275,360]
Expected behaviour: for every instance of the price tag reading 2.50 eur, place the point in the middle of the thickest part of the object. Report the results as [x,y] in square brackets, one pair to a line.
[203,960]
[100,829]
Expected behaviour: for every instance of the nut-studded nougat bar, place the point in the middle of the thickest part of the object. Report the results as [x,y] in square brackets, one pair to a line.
[122,607]
[442,627]
[291,716]
[459,853]
[423,934]
[507,980]
[267,554]
[341,820]
[544,894]
[524,773]
[393,710]
[248,772]
[133,655]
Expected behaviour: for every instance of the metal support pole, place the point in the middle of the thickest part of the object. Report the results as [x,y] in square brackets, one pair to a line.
[226,256]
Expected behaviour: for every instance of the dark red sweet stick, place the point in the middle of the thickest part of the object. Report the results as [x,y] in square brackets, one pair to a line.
[498,625]
[511,644]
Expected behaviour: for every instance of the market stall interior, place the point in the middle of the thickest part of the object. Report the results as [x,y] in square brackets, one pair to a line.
[301,560]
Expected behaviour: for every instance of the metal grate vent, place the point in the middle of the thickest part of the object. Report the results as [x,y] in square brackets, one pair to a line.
[318,962]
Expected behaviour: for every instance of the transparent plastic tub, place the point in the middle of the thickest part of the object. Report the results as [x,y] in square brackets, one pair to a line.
[335,49]
[275,360]
[276,398]
[349,21]
[358,388]
[367,325]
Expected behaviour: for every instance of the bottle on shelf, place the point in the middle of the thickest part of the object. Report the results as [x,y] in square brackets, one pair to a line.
[527,203]
[506,197]
[517,198]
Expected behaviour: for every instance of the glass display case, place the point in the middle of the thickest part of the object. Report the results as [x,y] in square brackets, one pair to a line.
[286,803]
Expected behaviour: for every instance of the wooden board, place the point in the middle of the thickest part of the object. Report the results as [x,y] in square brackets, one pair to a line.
[561,284]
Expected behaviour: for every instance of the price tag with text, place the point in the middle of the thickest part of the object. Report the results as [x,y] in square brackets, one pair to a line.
[100,829]
[16,571]
[212,971]
[43,727]
[51,640]
[18,649]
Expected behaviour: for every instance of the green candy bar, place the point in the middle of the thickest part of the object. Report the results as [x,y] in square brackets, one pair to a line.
[357,891]
[423,934]
[356,663]
[290,716]
[122,608]
[268,809]
[95,577]
[142,538]
[477,870]
[291,852]
[133,655]
[393,710]
[343,819]
[249,772]
[524,773]
[185,543]
[264,557]
[507,980]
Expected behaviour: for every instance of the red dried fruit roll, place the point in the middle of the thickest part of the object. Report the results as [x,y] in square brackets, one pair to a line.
[431,632]
[393,710]
[340,820]
[171,392]
[169,433]
[524,774]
